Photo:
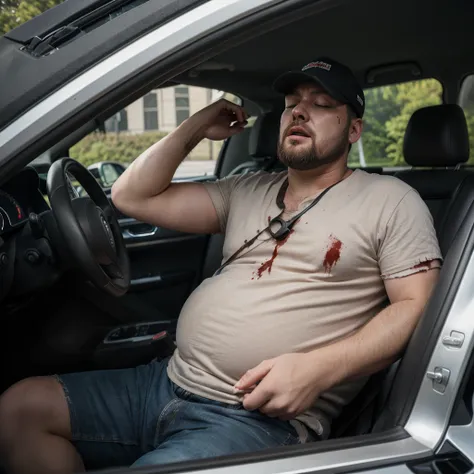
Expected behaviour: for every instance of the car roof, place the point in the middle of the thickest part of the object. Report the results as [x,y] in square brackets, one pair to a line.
[382,42]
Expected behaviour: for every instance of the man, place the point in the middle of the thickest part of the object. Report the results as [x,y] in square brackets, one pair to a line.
[285,333]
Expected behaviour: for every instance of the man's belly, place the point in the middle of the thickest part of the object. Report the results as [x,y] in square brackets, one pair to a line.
[230,324]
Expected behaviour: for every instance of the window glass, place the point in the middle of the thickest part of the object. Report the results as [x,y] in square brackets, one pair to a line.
[149,101]
[181,99]
[388,110]
[181,90]
[182,102]
[150,112]
[141,124]
[466,101]
[118,122]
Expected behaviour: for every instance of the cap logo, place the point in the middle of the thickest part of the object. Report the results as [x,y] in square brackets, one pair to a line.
[320,64]
[359,99]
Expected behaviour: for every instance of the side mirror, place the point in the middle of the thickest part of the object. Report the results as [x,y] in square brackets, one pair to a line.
[109,173]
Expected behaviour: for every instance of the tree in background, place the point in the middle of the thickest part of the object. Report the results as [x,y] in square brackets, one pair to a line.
[388,110]
[15,12]
[470,129]
[381,107]
[409,97]
[468,106]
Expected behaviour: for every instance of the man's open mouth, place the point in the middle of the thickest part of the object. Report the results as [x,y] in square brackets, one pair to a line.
[298,132]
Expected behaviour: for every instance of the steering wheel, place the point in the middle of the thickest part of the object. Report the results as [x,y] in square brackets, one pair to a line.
[89,227]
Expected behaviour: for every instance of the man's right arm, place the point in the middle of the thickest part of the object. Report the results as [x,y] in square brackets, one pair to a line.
[145,192]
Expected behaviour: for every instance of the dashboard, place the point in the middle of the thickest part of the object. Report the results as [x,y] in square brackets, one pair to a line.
[19,197]
[11,213]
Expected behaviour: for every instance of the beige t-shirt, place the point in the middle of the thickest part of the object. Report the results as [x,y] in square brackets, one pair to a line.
[322,284]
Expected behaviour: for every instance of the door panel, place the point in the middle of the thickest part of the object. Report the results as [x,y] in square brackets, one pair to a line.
[165,267]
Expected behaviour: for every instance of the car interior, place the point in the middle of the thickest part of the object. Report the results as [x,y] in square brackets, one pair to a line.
[55,320]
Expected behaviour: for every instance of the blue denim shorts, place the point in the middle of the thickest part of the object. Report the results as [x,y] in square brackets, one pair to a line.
[140,417]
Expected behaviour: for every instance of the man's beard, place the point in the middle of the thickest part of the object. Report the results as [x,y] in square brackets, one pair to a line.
[307,158]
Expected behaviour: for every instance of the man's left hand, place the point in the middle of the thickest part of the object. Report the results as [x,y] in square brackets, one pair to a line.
[285,386]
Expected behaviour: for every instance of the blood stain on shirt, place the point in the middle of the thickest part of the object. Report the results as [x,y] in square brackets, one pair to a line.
[333,253]
[269,263]
[423,265]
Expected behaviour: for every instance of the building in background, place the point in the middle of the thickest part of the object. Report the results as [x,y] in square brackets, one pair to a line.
[161,109]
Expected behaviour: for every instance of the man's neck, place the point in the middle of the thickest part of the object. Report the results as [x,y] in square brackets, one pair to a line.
[302,184]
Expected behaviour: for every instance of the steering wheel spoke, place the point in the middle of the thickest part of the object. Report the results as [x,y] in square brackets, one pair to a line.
[113,270]
[109,213]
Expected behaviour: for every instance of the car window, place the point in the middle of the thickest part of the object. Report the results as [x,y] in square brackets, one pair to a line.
[144,122]
[388,110]
[466,101]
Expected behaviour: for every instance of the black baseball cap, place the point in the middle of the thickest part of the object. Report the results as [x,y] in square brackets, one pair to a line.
[338,80]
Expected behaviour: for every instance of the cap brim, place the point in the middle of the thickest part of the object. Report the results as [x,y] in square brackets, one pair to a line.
[287,83]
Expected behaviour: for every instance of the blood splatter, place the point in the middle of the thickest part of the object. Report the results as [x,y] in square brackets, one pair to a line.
[269,219]
[333,253]
[269,263]
[425,265]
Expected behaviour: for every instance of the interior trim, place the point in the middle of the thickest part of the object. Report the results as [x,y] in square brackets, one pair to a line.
[167,240]
[161,279]
[322,461]
[461,437]
[431,412]
[146,280]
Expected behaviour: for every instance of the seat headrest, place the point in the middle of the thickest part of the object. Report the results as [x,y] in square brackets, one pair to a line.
[263,141]
[437,136]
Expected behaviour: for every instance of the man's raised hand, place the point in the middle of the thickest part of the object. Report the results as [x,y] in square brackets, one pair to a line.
[220,120]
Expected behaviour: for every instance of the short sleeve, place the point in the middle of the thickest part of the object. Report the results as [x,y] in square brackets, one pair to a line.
[408,243]
[220,192]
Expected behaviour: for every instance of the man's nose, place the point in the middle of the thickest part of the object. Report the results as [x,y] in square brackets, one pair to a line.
[300,113]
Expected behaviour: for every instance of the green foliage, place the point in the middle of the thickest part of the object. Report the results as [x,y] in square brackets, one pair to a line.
[469,113]
[409,97]
[15,12]
[123,148]
[388,111]
[470,128]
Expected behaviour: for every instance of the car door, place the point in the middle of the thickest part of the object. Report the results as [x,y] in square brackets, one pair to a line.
[410,435]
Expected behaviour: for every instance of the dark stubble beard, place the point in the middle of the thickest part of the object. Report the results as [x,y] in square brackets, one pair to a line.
[309,158]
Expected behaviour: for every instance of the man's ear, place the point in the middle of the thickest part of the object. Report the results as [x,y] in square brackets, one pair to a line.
[355,130]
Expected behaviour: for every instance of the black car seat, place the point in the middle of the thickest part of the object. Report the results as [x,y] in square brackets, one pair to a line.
[436,140]
[437,144]
[263,143]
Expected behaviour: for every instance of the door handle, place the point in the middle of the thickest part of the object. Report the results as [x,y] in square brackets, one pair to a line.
[141,231]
